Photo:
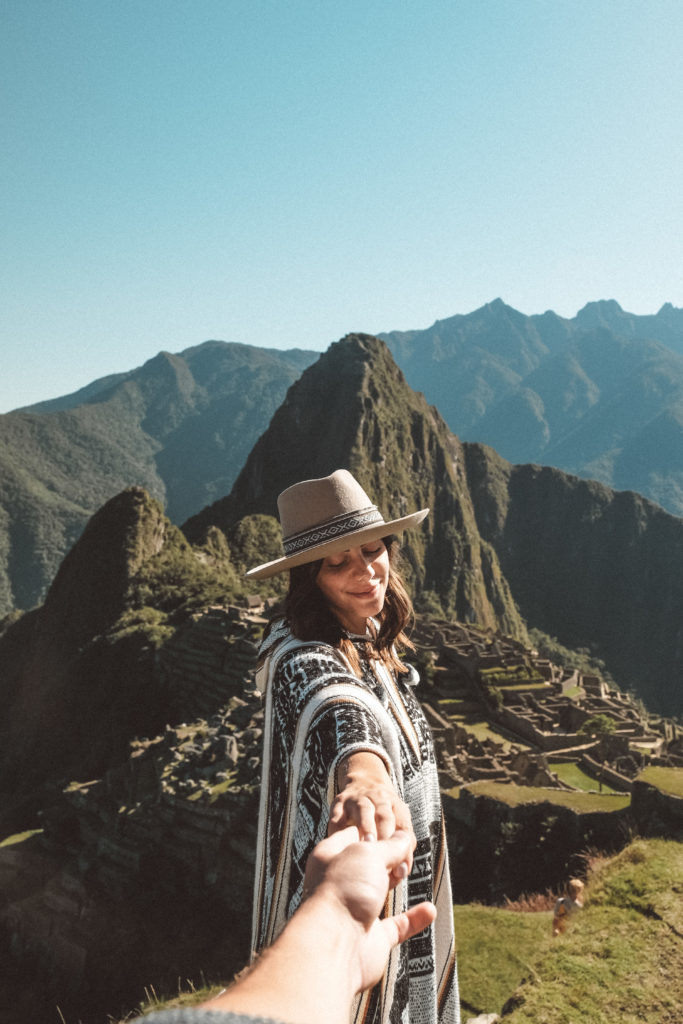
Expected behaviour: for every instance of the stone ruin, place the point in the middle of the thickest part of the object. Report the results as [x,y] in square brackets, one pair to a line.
[537,706]
[170,834]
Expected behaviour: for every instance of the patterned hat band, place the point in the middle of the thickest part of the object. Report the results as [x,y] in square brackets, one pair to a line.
[349,522]
[328,514]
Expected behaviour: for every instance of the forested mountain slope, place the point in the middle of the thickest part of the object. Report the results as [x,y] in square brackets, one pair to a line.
[181,426]
[600,395]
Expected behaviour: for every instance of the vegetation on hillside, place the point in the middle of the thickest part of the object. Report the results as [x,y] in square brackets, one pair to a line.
[581,659]
[621,959]
[180,426]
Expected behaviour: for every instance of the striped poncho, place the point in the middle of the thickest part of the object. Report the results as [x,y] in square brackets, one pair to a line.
[317,712]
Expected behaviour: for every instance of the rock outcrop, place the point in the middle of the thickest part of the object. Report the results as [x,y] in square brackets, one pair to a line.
[353,409]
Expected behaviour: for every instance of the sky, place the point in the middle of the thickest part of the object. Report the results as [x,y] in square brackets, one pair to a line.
[282,172]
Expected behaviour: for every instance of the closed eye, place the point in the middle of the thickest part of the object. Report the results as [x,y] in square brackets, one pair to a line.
[334,565]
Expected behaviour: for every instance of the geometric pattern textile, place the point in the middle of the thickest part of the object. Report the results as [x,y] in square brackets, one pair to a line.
[317,712]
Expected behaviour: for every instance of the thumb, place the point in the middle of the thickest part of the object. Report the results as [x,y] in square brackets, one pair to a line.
[404,926]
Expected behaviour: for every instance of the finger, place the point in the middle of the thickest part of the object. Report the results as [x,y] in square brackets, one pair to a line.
[397,854]
[398,874]
[334,844]
[365,820]
[385,821]
[404,926]
[401,866]
[405,824]
[337,815]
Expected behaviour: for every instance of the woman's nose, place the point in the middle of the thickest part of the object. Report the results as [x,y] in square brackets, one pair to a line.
[363,565]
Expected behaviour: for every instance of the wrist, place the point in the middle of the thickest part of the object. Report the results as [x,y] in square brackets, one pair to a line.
[362,773]
[312,963]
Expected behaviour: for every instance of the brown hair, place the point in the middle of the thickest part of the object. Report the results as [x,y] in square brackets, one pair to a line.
[311,618]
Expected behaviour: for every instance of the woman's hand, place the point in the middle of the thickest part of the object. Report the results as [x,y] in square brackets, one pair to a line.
[368,800]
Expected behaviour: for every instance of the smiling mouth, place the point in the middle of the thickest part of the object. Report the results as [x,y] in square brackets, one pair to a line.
[368,592]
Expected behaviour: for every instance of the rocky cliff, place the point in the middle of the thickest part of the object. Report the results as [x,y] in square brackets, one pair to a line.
[353,409]
[68,700]
[594,567]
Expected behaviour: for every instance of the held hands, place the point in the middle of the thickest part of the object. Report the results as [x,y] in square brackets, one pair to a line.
[352,879]
[368,800]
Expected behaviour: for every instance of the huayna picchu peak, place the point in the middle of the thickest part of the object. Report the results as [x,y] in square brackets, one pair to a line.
[353,408]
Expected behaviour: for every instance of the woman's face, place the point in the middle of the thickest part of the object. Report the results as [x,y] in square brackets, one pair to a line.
[354,583]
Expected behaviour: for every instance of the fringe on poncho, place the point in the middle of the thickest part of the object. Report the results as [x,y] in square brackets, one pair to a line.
[317,712]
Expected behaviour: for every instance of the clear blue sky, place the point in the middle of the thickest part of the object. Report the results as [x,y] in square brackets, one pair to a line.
[281,172]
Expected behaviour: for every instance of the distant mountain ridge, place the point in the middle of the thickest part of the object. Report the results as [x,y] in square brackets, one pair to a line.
[180,425]
[129,717]
[506,546]
[600,395]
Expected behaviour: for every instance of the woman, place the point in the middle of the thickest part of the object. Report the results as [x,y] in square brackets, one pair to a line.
[345,740]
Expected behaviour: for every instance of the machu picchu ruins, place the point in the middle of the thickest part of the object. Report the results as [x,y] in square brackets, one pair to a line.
[174,827]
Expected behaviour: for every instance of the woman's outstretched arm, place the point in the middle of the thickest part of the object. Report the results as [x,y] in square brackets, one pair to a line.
[367,799]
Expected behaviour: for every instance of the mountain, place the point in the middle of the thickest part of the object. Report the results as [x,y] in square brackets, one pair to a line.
[596,568]
[129,721]
[353,409]
[127,791]
[70,703]
[181,426]
[600,396]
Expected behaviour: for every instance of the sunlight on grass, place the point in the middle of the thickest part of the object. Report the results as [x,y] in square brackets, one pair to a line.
[582,803]
[621,960]
[495,950]
[473,722]
[669,780]
[571,773]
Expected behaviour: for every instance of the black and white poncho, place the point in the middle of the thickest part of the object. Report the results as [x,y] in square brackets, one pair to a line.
[317,712]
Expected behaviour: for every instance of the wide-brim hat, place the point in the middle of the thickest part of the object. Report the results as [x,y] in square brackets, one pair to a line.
[323,516]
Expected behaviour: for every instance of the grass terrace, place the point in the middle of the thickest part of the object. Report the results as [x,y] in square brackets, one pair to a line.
[622,958]
[517,678]
[669,780]
[571,773]
[496,949]
[513,795]
[470,717]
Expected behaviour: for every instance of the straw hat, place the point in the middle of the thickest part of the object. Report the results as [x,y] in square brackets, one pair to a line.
[320,517]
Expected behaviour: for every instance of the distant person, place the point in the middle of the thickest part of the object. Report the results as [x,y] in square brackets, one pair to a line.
[345,739]
[567,905]
[332,948]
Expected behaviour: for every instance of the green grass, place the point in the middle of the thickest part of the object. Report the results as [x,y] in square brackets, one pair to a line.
[669,780]
[476,724]
[519,677]
[573,775]
[621,959]
[582,803]
[496,949]
[537,684]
